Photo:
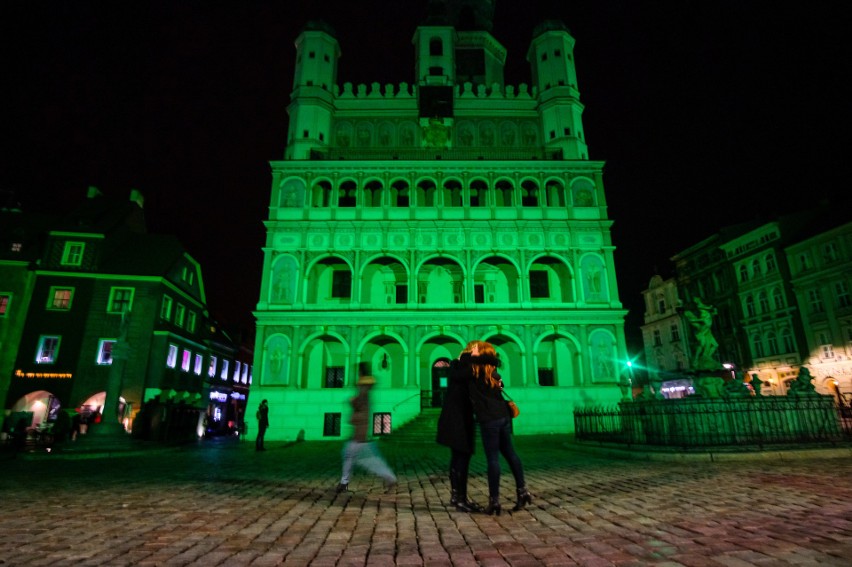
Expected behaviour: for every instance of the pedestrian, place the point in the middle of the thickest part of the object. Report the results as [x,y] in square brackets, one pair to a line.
[455,425]
[358,450]
[262,425]
[492,413]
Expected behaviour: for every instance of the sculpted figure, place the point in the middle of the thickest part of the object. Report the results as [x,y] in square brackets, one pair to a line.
[803,384]
[701,321]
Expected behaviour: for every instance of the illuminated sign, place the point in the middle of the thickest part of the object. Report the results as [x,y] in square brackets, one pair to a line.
[61,375]
[238,396]
[218,396]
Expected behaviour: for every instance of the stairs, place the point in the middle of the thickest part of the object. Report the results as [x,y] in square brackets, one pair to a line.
[421,430]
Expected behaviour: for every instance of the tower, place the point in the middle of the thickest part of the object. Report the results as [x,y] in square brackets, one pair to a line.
[423,215]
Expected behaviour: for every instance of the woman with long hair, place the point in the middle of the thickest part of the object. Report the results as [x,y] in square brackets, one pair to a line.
[455,427]
[492,413]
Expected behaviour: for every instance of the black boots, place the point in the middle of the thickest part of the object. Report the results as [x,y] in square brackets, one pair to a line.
[458,494]
[524,498]
[493,508]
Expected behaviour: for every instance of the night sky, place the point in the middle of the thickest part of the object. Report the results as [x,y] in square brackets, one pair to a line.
[707,113]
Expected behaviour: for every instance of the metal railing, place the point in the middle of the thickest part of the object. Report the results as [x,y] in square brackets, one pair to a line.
[700,423]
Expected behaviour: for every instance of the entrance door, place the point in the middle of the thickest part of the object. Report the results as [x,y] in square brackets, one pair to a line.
[440,376]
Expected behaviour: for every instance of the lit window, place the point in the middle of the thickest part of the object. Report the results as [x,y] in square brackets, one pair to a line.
[60,298]
[381,423]
[245,373]
[826,346]
[171,357]
[48,349]
[199,362]
[192,321]
[16,247]
[224,374]
[180,315]
[186,356]
[166,308]
[120,300]
[237,370]
[5,299]
[105,347]
[211,370]
[72,255]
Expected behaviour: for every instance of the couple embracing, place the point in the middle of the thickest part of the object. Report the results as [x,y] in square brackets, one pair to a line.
[475,388]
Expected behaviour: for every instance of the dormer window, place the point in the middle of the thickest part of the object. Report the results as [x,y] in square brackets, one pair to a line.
[72,254]
[436,46]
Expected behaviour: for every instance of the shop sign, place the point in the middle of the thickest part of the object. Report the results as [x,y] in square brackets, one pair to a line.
[238,396]
[35,375]
[219,396]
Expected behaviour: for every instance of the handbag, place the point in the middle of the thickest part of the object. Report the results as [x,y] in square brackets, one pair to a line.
[514,411]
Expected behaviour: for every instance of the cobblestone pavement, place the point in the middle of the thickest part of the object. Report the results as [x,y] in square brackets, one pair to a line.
[221,503]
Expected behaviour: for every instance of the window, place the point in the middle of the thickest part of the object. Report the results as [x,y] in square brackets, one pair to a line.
[105,347]
[331,425]
[180,314]
[192,322]
[120,300]
[245,377]
[341,284]
[479,293]
[436,46]
[224,374]
[675,332]
[829,252]
[166,308]
[842,294]
[815,301]
[743,274]
[661,305]
[757,346]
[545,377]
[211,369]
[763,302]
[749,304]
[171,356]
[72,255]
[5,300]
[199,362]
[334,376]
[401,294]
[770,262]
[59,298]
[787,340]
[772,343]
[658,340]
[381,423]
[539,284]
[48,349]
[825,346]
[237,370]
[778,298]
[804,262]
[185,358]
[16,247]
[755,268]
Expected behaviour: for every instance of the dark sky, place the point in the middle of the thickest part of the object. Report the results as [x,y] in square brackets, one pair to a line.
[707,113]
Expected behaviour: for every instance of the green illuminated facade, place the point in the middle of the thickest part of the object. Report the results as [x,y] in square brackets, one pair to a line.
[406,220]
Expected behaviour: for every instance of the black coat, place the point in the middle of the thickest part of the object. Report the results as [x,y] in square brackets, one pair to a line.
[455,424]
[488,403]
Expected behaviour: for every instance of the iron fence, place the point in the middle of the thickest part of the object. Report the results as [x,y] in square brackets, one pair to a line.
[700,423]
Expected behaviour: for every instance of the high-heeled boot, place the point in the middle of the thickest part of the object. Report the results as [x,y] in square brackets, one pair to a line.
[524,498]
[493,508]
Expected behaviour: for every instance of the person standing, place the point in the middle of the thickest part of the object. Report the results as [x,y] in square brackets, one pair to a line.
[492,413]
[262,425]
[358,450]
[455,426]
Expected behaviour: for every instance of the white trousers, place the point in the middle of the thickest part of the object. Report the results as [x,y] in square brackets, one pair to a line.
[367,456]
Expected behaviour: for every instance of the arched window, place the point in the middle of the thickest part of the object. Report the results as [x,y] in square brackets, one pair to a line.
[373,194]
[346,194]
[755,268]
[555,194]
[529,194]
[399,194]
[743,273]
[478,194]
[770,263]
[321,194]
[504,191]
[426,193]
[452,193]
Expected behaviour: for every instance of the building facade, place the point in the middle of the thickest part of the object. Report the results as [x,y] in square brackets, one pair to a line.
[100,295]
[407,220]
[665,338]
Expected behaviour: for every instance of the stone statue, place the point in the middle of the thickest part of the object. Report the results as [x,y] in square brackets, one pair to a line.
[802,385]
[756,384]
[701,321]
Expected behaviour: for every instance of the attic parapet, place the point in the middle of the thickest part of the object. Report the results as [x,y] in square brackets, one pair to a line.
[405,90]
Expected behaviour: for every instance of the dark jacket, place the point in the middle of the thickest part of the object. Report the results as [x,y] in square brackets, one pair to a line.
[360,418]
[455,424]
[488,402]
[263,416]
